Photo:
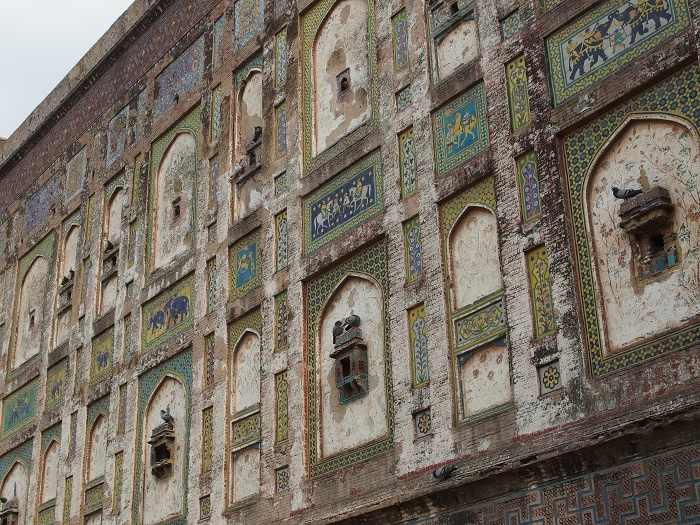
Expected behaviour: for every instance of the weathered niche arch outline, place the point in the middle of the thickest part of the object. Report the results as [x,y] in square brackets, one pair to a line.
[46,506]
[189,124]
[371,262]
[248,418]
[22,457]
[580,149]
[99,409]
[488,310]
[311,22]
[45,248]
[180,368]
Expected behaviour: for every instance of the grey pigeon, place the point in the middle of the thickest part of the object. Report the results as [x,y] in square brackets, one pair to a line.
[350,322]
[625,193]
[3,499]
[71,274]
[64,281]
[109,247]
[337,330]
[165,415]
[257,133]
[442,473]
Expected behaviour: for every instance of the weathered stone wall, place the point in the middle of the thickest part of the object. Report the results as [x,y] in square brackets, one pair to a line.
[523,349]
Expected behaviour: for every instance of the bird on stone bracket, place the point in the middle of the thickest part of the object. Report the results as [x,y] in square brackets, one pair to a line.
[337,330]
[625,193]
[165,415]
[351,322]
[442,473]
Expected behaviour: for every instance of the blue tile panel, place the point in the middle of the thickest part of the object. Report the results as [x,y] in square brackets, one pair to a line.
[218,51]
[249,21]
[179,78]
[117,134]
[38,207]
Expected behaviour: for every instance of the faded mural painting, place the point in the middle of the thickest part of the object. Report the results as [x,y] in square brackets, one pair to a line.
[168,314]
[19,408]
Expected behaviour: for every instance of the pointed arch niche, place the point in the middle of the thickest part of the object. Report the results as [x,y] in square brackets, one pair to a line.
[15,487]
[97,449]
[69,263]
[658,153]
[49,473]
[475,299]
[30,311]
[245,406]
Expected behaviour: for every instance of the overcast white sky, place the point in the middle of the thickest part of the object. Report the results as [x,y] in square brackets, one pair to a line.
[40,41]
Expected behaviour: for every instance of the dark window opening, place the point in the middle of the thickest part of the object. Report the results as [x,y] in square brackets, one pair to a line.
[343,82]
[176,209]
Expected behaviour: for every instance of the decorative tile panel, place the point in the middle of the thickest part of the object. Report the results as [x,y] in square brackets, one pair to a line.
[215,113]
[529,183]
[123,399]
[372,262]
[213,182]
[282,479]
[249,21]
[211,232]
[281,321]
[510,25]
[57,379]
[101,357]
[244,260]
[19,408]
[126,333]
[218,44]
[404,98]
[518,96]
[281,183]
[245,431]
[168,314]
[281,239]
[73,435]
[22,453]
[281,58]
[136,179]
[548,5]
[204,507]
[67,497]
[98,408]
[550,377]
[117,134]
[346,201]
[46,513]
[131,250]
[93,496]
[118,482]
[211,286]
[75,173]
[37,208]
[461,131]
[541,291]
[407,163]
[281,130]
[282,415]
[414,250]
[140,115]
[399,38]
[255,63]
[418,337]
[179,78]
[607,38]
[423,423]
[484,324]
[207,439]
[209,341]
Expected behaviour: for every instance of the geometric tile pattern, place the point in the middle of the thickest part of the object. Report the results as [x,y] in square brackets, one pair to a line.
[461,131]
[412,243]
[373,263]
[37,208]
[280,183]
[407,162]
[204,507]
[550,377]
[673,96]
[281,321]
[660,490]
[123,399]
[510,25]
[209,360]
[218,45]
[418,337]
[529,182]
[180,367]
[23,454]
[215,113]
[248,21]
[207,439]
[404,98]
[211,286]
[281,58]
[282,479]
[73,435]
[213,182]
[179,78]
[281,239]
[282,424]
[580,57]
[67,497]
[117,134]
[423,423]
[518,97]
[118,481]
[541,291]
[98,408]
[399,37]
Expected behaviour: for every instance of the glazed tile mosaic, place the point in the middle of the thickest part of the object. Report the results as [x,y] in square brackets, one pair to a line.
[56,382]
[373,263]
[244,260]
[118,481]
[168,314]
[248,21]
[510,25]
[67,497]
[123,399]
[282,479]
[399,38]
[213,182]
[423,423]
[281,239]
[607,38]
[73,438]
[518,96]
[413,250]
[550,377]
[343,203]
[540,291]
[218,42]
[548,5]
[38,207]
[117,135]
[211,286]
[281,58]
[19,408]
[404,98]
[21,454]
[281,130]
[75,173]
[179,78]
[484,324]
[180,367]
[246,431]
[673,97]
[529,183]
[461,130]
[255,63]
[281,321]
[204,507]
[101,357]
[407,163]
[207,439]
[281,183]
[282,412]
[215,113]
[418,337]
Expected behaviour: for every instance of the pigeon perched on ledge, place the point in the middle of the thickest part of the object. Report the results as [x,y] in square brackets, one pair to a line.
[625,193]
[442,473]
[337,330]
[165,415]
[109,247]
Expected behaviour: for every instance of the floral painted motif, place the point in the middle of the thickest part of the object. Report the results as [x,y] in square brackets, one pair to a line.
[281,58]
[282,417]
[281,134]
[282,479]
[418,336]
[414,255]
[528,179]
[211,286]
[541,291]
[207,439]
[209,348]
[216,113]
[399,24]
[281,183]
[213,182]
[550,377]
[404,98]
[407,163]
[281,321]
[424,423]
[218,52]
[249,20]
[281,238]
[518,93]
[510,25]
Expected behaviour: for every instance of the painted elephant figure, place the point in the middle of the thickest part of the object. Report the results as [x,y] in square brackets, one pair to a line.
[177,308]
[637,16]
[157,320]
[590,49]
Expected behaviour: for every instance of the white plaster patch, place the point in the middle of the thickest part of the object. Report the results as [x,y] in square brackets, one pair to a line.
[458,47]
